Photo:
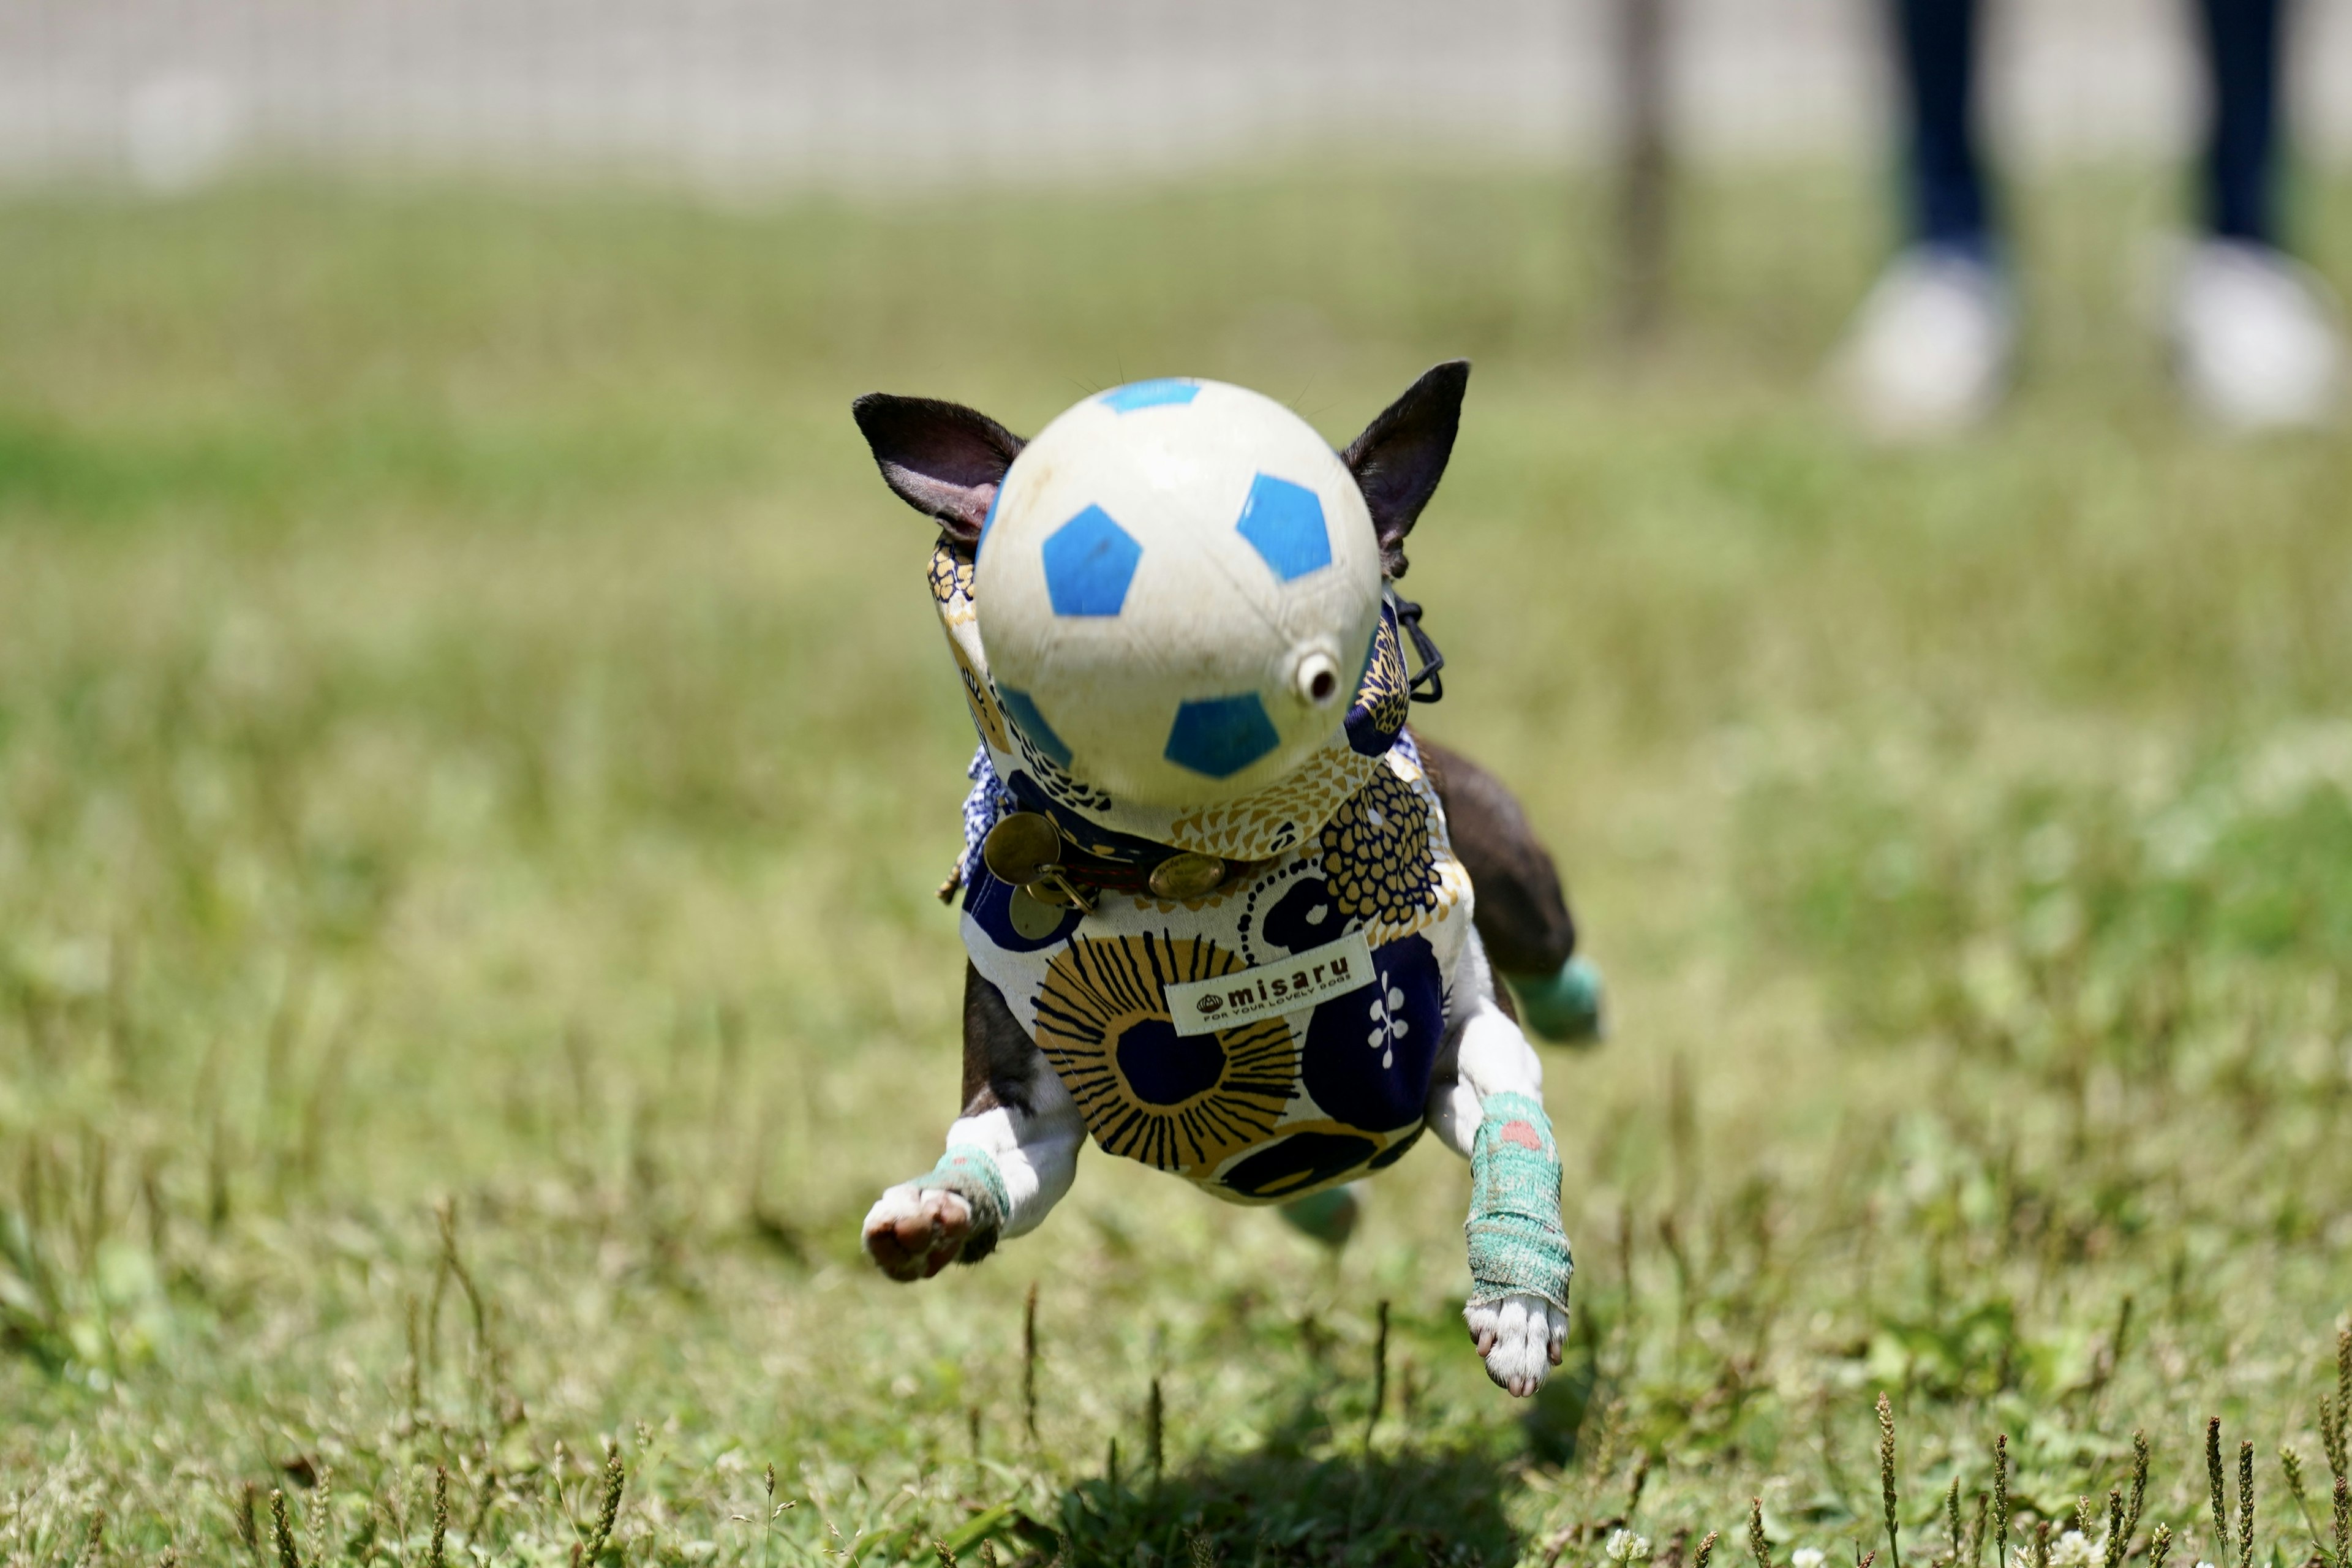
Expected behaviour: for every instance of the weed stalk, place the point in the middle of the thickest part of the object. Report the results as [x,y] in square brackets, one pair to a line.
[1887,1479]
[321,1514]
[2139,1486]
[2000,1500]
[2214,1485]
[248,1531]
[608,1509]
[2246,1504]
[1155,1431]
[437,1556]
[282,1530]
[1029,1363]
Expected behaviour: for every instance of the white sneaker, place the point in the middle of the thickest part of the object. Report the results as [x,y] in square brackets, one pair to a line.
[1928,352]
[2257,340]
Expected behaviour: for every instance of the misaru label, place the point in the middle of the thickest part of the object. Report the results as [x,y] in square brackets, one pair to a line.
[1317,974]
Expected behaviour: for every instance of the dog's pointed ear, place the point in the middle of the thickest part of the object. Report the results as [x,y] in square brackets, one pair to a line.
[945,461]
[1402,455]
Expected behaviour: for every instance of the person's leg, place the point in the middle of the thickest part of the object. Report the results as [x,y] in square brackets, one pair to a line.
[2240,176]
[1928,352]
[1936,46]
[2255,334]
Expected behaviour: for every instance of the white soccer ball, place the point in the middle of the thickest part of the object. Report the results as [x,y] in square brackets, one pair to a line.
[1177,589]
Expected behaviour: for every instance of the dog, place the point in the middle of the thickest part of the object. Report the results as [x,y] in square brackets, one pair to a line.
[1082,964]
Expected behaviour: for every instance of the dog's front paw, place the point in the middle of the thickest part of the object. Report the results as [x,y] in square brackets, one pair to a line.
[1519,1336]
[912,1233]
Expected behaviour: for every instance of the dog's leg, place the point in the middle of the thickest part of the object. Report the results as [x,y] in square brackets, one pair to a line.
[1521,914]
[1487,1104]
[1010,1156]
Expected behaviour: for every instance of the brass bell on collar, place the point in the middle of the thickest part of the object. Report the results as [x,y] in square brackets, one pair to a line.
[1023,847]
[1188,875]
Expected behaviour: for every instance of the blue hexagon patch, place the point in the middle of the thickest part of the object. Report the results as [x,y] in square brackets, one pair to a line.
[1284,523]
[1090,561]
[1222,735]
[1138,394]
[1023,708]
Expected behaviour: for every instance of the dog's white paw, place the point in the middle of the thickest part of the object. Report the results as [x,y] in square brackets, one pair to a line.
[912,1233]
[1519,1336]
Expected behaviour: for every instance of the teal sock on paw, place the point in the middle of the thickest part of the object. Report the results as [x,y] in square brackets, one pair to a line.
[1564,1006]
[1329,1216]
[1517,1245]
[972,1175]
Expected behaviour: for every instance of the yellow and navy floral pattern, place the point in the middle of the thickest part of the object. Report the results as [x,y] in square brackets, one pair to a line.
[1386,858]
[951,573]
[1281,818]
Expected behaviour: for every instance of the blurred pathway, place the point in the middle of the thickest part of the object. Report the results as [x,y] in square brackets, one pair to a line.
[758,92]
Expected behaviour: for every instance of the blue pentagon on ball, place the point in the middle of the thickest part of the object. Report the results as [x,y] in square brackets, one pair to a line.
[1022,708]
[1284,523]
[1089,561]
[1157,394]
[989,521]
[1220,736]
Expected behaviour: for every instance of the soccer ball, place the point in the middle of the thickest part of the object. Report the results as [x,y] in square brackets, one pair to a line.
[1178,588]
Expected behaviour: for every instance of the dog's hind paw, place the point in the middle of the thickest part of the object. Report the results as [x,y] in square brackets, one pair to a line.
[1519,1336]
[912,1233]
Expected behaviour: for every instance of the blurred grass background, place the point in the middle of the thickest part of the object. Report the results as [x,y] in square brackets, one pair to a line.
[473,742]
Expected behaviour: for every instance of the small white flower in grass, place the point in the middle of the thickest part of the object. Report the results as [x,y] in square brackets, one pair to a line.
[1807,1557]
[1624,1546]
[2075,1550]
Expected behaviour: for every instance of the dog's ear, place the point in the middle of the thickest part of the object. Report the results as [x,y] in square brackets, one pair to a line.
[1400,456]
[945,461]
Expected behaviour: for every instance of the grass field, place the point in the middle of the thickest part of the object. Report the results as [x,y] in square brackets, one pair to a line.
[475,756]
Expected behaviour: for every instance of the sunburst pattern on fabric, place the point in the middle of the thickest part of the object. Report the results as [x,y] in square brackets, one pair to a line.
[1382,861]
[1181,1103]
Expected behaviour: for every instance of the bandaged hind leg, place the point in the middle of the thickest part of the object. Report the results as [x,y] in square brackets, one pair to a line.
[1006,1167]
[1487,1104]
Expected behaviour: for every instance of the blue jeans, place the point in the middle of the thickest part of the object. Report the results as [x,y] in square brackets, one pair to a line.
[1950,203]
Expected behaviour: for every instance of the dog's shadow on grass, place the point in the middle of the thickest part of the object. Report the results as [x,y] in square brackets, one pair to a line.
[1302,1497]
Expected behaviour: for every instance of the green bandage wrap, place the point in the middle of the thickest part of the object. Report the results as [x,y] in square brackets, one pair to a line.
[972,1175]
[1565,1007]
[1516,1246]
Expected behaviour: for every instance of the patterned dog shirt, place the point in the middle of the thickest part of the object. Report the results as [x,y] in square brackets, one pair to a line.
[1265,1040]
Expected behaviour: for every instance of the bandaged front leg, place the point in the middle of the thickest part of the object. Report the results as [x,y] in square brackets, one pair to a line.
[1004,1168]
[1519,1262]
[1487,1103]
